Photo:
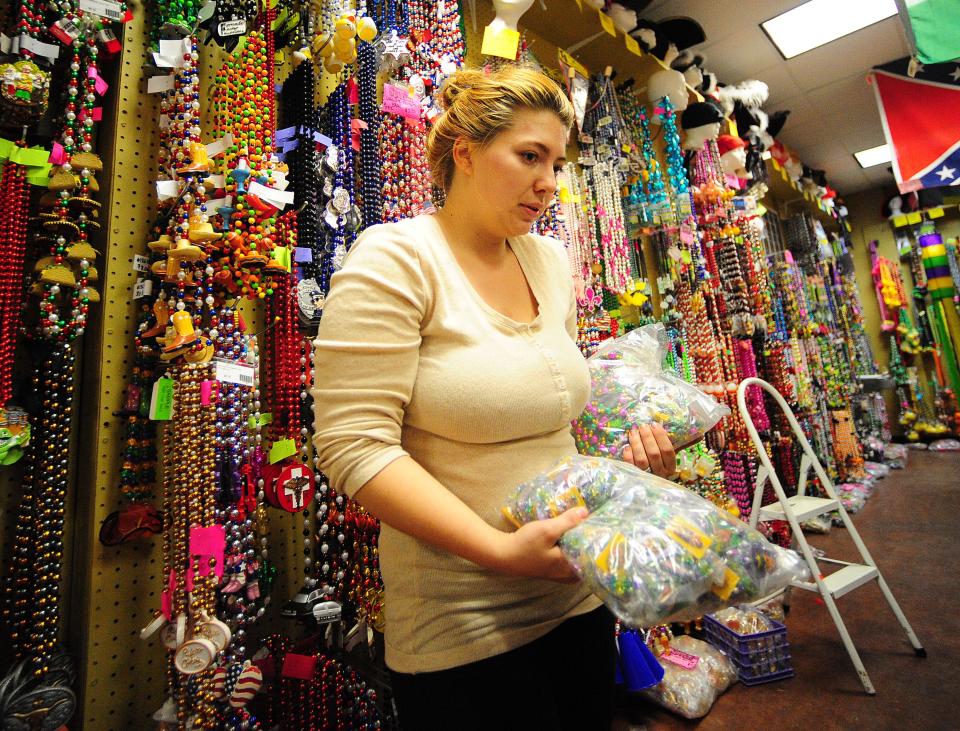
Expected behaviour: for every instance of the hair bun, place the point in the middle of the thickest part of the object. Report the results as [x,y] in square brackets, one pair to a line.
[457,83]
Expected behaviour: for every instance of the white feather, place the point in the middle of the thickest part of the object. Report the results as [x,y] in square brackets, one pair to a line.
[751,93]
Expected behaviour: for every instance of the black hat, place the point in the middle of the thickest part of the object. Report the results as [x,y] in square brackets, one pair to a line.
[683,32]
[699,114]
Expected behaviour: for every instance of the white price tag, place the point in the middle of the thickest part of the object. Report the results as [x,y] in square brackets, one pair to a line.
[167,189]
[109,9]
[5,43]
[141,263]
[218,147]
[143,288]
[232,27]
[228,371]
[47,50]
[277,198]
[157,84]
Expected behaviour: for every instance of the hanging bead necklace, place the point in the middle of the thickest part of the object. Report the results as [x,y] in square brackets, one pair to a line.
[613,238]
[369,113]
[14,199]
[35,573]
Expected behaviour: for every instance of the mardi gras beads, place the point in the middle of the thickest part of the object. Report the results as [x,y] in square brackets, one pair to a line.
[676,171]
[34,578]
[613,239]
[369,112]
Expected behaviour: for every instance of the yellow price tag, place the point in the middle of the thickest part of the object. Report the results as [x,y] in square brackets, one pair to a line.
[935,213]
[502,43]
[632,45]
[733,128]
[914,217]
[607,23]
[899,221]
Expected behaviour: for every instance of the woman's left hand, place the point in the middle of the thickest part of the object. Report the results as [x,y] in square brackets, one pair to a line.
[650,449]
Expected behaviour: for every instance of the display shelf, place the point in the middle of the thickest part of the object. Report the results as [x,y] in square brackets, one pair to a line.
[785,197]
[568,23]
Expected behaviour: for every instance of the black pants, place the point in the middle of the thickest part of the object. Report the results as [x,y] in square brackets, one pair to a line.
[563,680]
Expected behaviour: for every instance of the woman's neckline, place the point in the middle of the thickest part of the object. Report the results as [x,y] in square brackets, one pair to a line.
[519,251]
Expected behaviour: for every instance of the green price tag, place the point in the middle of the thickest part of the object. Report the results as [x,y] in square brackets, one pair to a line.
[31,156]
[282,255]
[161,401]
[39,176]
[265,418]
[282,449]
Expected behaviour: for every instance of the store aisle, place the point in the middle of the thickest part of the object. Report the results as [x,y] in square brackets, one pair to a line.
[910,524]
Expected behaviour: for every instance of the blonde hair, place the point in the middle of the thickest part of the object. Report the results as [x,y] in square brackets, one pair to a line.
[478,106]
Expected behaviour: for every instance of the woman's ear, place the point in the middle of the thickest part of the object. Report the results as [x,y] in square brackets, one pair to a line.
[463,151]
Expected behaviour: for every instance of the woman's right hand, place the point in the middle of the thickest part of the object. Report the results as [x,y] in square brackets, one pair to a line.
[532,550]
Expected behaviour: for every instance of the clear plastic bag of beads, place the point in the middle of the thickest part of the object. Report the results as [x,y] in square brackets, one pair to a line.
[692,681]
[629,387]
[652,551]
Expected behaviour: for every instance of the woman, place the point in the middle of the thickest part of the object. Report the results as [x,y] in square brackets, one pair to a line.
[447,373]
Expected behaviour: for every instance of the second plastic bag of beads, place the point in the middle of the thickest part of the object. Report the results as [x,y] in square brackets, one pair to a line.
[629,387]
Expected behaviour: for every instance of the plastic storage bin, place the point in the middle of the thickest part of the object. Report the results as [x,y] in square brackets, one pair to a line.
[760,658]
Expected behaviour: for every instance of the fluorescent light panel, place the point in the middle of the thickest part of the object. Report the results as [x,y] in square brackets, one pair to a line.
[818,22]
[874,156]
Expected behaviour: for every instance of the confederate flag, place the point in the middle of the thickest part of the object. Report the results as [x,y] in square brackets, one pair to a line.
[921,120]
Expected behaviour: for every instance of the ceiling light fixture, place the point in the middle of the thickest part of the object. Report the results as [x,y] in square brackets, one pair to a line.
[873,156]
[818,22]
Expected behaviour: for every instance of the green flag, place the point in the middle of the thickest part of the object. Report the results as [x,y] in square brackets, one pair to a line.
[935,27]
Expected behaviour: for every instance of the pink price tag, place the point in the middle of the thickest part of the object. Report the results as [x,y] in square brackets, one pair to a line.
[97,114]
[353,92]
[686,234]
[99,84]
[396,100]
[207,393]
[57,155]
[681,659]
[207,543]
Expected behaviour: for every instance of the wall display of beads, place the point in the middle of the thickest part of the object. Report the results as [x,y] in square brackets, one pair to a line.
[53,65]
[257,140]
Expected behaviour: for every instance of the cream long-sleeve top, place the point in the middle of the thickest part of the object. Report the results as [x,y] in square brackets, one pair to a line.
[410,360]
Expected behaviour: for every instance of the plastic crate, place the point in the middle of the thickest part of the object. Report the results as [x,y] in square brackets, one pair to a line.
[759,658]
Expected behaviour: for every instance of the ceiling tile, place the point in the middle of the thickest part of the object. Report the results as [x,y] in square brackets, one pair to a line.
[848,183]
[727,59]
[864,138]
[782,86]
[876,44]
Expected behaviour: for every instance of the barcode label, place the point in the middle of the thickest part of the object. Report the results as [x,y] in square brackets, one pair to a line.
[109,9]
[233,372]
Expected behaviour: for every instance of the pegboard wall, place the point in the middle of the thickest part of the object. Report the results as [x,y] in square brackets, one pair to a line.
[117,589]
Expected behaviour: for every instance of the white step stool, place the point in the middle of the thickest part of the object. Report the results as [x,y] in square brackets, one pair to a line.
[802,507]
